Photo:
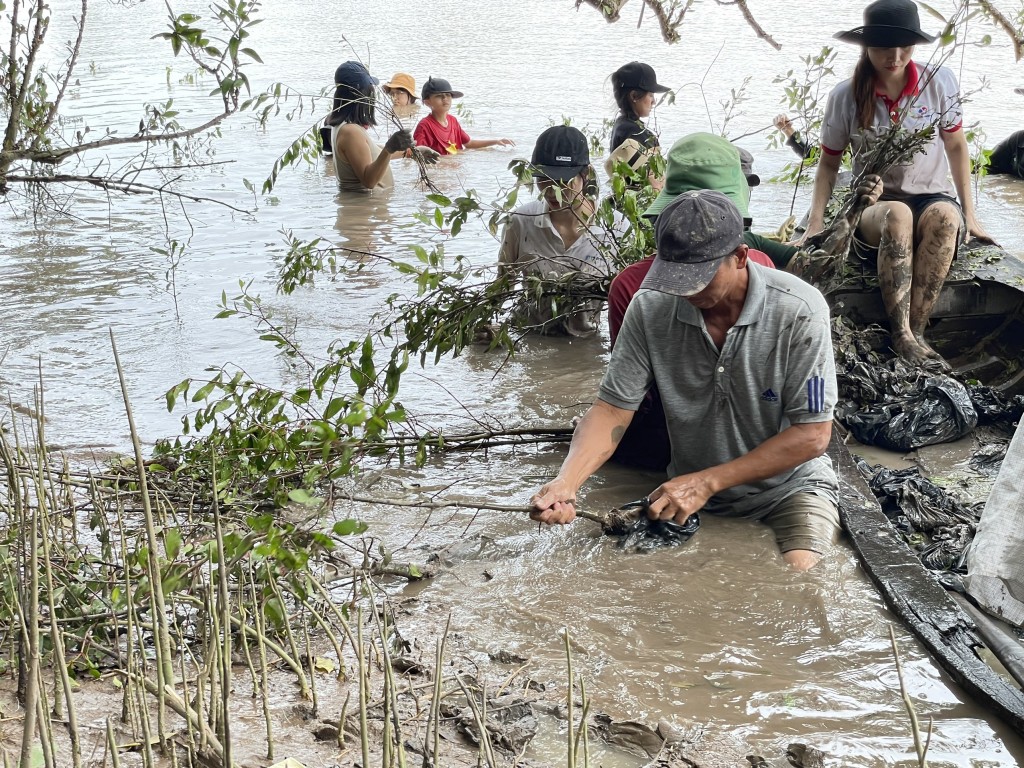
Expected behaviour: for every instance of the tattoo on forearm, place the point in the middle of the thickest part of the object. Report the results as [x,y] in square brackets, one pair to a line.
[617,433]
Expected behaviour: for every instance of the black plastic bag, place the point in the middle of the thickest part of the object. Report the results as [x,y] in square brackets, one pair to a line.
[995,408]
[939,412]
[644,534]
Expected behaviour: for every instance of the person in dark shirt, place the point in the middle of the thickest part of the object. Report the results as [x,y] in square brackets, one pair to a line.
[1008,156]
[634,86]
[793,139]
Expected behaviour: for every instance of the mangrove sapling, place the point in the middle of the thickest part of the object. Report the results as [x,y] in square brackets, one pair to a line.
[261,645]
[29,673]
[224,604]
[362,668]
[432,737]
[164,661]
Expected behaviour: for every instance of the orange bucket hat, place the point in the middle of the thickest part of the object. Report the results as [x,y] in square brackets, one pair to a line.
[403,81]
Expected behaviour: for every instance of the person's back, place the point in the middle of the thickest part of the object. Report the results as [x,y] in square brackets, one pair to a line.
[1008,156]
[348,179]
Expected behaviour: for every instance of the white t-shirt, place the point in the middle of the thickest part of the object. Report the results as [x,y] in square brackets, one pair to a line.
[531,246]
[931,98]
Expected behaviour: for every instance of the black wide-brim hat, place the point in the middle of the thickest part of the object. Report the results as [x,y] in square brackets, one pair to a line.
[888,24]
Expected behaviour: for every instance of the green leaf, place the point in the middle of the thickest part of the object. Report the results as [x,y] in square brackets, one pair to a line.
[172,542]
[349,527]
[334,406]
[302,496]
[252,55]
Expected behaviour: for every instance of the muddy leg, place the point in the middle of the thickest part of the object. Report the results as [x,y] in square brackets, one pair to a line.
[892,223]
[937,235]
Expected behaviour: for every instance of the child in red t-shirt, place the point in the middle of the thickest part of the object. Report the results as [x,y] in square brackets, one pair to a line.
[441,131]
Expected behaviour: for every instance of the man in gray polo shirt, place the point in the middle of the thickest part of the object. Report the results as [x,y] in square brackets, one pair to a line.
[742,356]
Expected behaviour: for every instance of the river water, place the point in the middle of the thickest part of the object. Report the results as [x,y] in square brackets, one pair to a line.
[718,632]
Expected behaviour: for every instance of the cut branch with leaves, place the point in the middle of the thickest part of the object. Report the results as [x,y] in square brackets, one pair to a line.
[35,142]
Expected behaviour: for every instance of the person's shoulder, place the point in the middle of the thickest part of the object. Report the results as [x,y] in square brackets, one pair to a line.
[787,290]
[842,93]
[938,76]
[351,129]
[351,132]
[632,276]
[529,210]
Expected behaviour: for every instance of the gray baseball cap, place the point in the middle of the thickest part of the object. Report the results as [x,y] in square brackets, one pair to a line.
[747,164]
[694,233]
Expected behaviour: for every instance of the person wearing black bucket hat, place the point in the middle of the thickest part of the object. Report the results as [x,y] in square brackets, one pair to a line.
[742,358]
[360,164]
[916,226]
[634,86]
[557,237]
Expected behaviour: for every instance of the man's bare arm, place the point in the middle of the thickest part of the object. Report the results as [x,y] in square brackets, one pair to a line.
[593,443]
[680,497]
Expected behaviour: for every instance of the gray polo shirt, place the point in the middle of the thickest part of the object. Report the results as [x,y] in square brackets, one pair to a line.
[775,369]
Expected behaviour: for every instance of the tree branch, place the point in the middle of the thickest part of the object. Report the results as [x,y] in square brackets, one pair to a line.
[754,25]
[117,185]
[55,156]
[1016,37]
[72,61]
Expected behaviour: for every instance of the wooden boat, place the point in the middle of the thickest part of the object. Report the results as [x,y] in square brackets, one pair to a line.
[978,326]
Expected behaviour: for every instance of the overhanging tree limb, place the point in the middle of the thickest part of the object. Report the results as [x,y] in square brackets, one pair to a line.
[999,19]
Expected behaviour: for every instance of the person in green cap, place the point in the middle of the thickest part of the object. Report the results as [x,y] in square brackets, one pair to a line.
[697,161]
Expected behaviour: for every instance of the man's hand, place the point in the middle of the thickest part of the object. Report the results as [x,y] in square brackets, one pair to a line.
[555,503]
[506,143]
[680,497]
[426,154]
[400,141]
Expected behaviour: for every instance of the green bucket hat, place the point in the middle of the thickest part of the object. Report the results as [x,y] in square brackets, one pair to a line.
[703,161]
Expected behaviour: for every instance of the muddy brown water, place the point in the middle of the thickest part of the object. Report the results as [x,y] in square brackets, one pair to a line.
[718,632]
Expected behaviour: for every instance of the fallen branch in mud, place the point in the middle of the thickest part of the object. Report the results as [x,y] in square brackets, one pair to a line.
[920,745]
[609,522]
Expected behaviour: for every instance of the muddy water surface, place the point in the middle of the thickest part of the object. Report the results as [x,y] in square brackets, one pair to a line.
[718,632]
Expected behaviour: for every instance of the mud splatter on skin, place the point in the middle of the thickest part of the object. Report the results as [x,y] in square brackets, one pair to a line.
[895,258]
[931,265]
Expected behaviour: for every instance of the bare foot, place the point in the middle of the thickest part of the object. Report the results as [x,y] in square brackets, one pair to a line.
[932,354]
[907,347]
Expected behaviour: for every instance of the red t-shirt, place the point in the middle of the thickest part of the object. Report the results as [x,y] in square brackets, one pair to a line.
[628,282]
[447,140]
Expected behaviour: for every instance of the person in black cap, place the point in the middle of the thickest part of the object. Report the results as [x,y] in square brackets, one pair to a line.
[917,224]
[557,238]
[742,358]
[360,164]
[441,131]
[634,86]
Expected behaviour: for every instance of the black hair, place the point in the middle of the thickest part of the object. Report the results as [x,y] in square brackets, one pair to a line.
[625,96]
[352,106]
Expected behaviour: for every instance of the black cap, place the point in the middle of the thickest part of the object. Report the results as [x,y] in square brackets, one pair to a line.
[439,85]
[561,153]
[354,75]
[640,76]
[747,164]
